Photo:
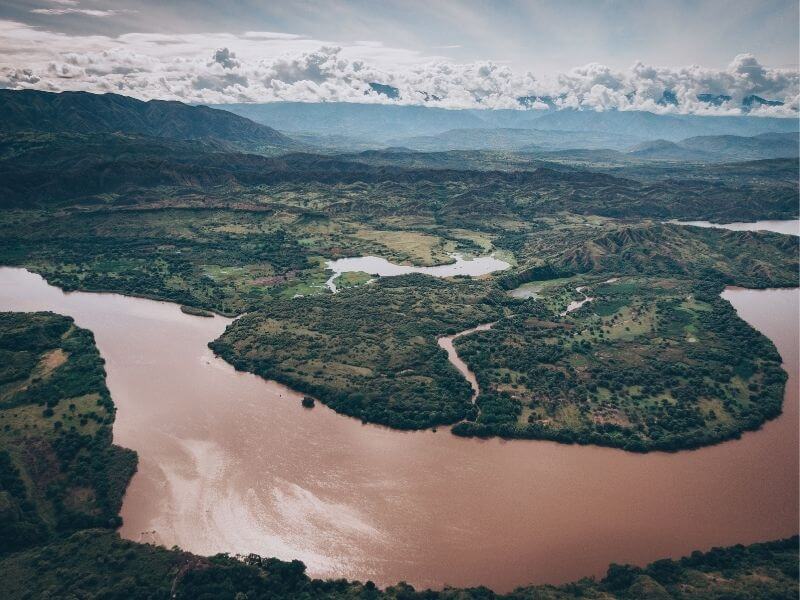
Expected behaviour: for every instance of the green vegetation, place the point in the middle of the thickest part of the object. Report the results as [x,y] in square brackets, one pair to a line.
[78,112]
[59,471]
[647,364]
[196,312]
[96,564]
[106,193]
[139,208]
[368,352]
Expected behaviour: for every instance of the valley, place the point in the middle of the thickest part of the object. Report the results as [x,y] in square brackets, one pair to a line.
[368,349]
[233,462]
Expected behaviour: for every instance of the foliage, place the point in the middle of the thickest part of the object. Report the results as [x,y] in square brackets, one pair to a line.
[647,364]
[96,564]
[59,471]
[368,352]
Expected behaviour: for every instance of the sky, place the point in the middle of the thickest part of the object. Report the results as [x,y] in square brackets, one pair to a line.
[470,53]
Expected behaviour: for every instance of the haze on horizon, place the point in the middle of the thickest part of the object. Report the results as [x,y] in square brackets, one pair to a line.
[652,56]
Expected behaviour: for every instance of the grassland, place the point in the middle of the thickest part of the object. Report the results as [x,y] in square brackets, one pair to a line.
[229,261]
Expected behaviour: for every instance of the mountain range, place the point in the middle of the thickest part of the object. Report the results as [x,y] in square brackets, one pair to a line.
[84,113]
[379,125]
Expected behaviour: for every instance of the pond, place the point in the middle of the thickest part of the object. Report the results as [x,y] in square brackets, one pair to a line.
[374,265]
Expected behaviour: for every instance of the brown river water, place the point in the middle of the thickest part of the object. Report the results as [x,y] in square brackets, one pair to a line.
[231,462]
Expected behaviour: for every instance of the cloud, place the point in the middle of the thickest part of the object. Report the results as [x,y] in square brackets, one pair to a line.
[226,58]
[266,66]
[89,12]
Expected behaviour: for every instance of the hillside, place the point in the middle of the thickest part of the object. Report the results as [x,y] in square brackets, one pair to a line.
[719,148]
[82,112]
[44,169]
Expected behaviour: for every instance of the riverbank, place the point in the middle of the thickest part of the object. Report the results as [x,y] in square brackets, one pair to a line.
[231,462]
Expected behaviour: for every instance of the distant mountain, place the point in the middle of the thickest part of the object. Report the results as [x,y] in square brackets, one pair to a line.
[650,126]
[528,140]
[373,122]
[716,148]
[755,101]
[387,90]
[666,150]
[336,124]
[714,99]
[765,145]
[82,112]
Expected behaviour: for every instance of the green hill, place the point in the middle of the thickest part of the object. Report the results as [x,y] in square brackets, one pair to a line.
[82,112]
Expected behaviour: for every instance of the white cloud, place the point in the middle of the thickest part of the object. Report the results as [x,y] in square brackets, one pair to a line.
[268,66]
[89,12]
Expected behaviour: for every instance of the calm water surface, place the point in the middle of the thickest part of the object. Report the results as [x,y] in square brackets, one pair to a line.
[230,462]
[374,265]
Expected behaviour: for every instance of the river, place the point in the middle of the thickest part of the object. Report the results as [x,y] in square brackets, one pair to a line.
[231,462]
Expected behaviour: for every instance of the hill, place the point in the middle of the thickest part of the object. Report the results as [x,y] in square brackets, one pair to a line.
[719,148]
[82,112]
[734,147]
[666,150]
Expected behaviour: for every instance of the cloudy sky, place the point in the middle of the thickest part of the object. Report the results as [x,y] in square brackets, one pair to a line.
[472,53]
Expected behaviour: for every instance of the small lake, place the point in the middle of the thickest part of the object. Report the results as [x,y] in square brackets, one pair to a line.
[374,265]
[790,227]
[230,462]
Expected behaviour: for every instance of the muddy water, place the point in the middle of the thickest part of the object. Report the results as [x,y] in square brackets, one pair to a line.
[229,462]
[447,344]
